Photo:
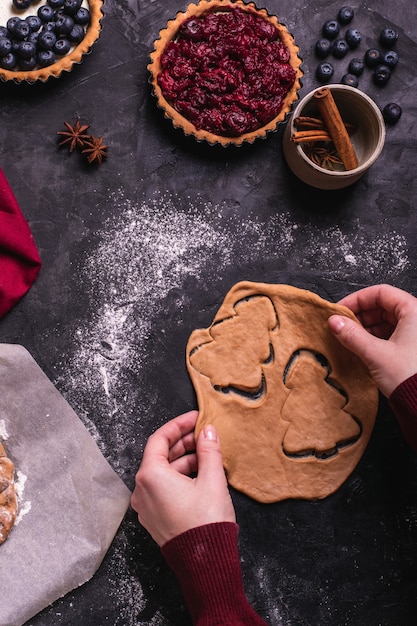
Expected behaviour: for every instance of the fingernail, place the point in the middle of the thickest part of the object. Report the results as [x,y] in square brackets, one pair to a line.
[210,433]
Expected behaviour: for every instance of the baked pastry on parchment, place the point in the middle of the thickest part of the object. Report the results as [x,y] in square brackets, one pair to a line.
[293,408]
[8,500]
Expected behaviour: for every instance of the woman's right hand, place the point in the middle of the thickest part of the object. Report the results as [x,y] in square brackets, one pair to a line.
[387,341]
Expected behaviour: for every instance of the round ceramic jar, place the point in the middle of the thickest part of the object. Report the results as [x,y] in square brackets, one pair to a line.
[368,138]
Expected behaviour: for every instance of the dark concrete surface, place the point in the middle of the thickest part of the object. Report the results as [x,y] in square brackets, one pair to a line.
[141,250]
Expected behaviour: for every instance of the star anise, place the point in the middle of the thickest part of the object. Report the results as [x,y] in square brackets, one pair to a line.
[323,155]
[75,136]
[94,149]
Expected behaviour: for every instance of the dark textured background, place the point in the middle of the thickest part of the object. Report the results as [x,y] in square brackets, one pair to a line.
[348,560]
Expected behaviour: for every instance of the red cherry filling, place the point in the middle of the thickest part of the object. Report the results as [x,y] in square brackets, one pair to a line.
[227,72]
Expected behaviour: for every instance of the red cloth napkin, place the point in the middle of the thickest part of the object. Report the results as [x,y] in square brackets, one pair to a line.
[19,257]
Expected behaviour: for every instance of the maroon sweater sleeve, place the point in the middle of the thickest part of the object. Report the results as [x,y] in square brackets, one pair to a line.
[403,402]
[206,562]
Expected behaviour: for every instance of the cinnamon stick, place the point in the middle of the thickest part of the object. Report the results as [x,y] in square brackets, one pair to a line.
[300,136]
[334,124]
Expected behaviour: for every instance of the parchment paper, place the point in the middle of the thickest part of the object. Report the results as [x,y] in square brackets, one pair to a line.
[73,499]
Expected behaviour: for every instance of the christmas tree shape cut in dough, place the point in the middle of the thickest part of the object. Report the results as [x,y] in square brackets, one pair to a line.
[326,426]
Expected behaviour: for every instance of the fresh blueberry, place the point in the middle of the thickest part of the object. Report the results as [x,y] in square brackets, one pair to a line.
[391,113]
[353,37]
[331,29]
[356,66]
[373,57]
[8,62]
[340,48]
[27,65]
[21,30]
[33,37]
[345,15]
[390,58]
[322,48]
[5,46]
[21,5]
[82,16]
[71,6]
[77,34]
[34,22]
[11,23]
[46,57]
[324,72]
[64,24]
[382,74]
[56,4]
[62,46]
[46,13]
[350,79]
[388,37]
[4,31]
[26,50]
[46,40]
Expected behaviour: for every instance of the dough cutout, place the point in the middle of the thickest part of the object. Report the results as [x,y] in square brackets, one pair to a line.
[293,408]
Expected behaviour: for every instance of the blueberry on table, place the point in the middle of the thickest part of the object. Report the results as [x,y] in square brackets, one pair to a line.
[4,31]
[353,37]
[322,48]
[390,58]
[345,15]
[331,29]
[391,113]
[340,48]
[324,72]
[356,66]
[372,57]
[382,74]
[388,37]
[350,79]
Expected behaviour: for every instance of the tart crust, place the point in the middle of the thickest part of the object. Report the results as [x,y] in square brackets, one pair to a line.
[65,63]
[169,33]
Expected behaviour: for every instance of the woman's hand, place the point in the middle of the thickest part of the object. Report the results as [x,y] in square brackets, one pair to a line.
[387,341]
[168,501]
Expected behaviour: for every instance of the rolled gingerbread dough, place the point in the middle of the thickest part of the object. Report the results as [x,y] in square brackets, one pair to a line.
[294,409]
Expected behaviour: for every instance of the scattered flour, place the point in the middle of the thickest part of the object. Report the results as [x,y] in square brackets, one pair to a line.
[24,506]
[3,431]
